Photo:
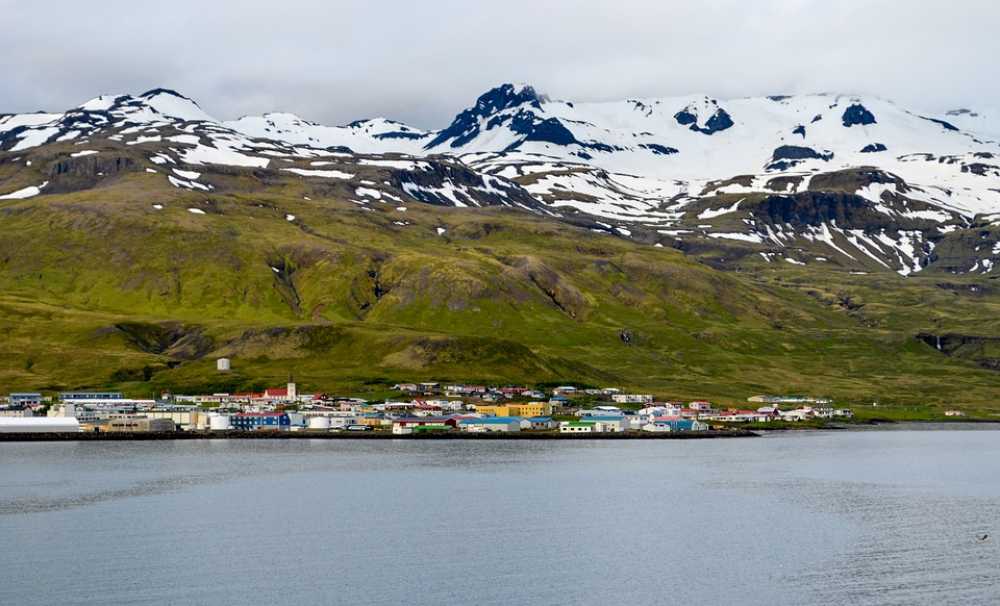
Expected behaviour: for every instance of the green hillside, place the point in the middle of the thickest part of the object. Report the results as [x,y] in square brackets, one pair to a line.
[98,288]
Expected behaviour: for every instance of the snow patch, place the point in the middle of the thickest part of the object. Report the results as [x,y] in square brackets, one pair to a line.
[326,174]
[27,192]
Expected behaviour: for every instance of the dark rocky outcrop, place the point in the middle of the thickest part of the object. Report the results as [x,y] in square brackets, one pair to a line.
[788,156]
[73,174]
[660,150]
[814,208]
[720,121]
[858,114]
[874,148]
[942,123]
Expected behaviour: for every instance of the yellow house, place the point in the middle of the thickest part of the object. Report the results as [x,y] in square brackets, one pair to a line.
[520,409]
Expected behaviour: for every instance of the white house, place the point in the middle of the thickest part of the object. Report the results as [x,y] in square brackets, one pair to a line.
[799,414]
[632,398]
[600,411]
[609,424]
[490,424]
[577,427]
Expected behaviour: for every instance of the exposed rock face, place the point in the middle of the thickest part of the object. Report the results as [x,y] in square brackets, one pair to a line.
[466,127]
[858,114]
[660,150]
[719,121]
[874,148]
[788,156]
[817,208]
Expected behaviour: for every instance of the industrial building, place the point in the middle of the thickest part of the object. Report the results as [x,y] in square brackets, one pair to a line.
[39,425]
[134,424]
[491,424]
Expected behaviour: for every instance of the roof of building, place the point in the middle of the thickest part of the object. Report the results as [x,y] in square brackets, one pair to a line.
[490,421]
[540,419]
[425,420]
[28,422]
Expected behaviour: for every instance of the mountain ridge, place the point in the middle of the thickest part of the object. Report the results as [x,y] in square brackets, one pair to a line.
[357,266]
[655,170]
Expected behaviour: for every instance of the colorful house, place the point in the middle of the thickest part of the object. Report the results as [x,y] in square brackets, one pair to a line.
[525,409]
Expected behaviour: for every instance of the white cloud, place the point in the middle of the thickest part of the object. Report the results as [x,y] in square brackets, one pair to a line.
[421,62]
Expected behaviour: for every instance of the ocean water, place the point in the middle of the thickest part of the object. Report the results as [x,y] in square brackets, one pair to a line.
[868,517]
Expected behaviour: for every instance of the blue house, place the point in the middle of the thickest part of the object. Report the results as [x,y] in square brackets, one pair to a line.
[260,420]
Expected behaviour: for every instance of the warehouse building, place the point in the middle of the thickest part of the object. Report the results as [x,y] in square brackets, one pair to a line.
[135,424]
[491,424]
[38,425]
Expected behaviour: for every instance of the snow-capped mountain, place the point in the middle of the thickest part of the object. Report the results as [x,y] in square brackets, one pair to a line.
[834,179]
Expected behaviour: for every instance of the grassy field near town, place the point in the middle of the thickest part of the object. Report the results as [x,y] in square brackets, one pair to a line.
[100,289]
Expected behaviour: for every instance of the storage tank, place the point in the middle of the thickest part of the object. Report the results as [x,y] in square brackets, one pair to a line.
[218,422]
[223,364]
[319,423]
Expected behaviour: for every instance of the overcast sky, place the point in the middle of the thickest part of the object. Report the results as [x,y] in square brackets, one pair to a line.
[422,61]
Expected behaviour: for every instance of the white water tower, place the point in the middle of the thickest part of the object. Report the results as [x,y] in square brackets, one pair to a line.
[217,422]
[322,423]
[222,365]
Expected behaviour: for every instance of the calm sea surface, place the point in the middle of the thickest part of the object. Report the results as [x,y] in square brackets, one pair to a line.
[870,517]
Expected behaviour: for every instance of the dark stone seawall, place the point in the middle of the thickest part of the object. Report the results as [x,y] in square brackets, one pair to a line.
[357,435]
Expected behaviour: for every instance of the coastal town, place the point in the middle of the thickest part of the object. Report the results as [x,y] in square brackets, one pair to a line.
[417,409]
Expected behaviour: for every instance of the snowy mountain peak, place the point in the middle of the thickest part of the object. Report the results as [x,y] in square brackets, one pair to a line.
[492,108]
[852,173]
[172,104]
[506,96]
[156,92]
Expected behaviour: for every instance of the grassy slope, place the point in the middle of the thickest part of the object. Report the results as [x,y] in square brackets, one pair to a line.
[358,301]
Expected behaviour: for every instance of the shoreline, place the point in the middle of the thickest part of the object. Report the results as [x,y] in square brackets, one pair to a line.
[359,435]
